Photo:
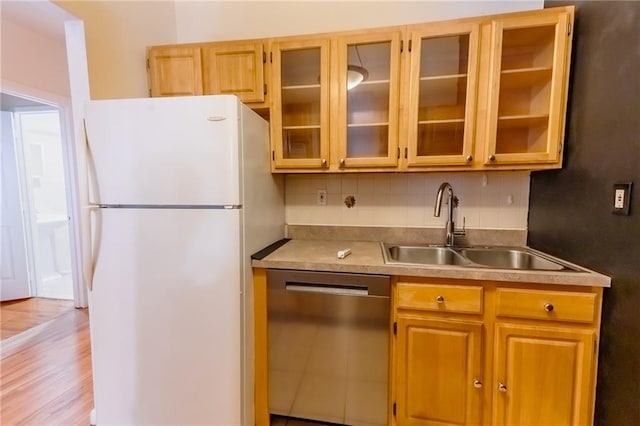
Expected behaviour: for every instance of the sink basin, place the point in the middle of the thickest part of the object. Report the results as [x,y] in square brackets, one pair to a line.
[423,255]
[510,258]
[478,257]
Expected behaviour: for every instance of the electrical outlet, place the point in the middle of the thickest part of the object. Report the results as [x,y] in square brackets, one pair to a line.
[321,197]
[621,198]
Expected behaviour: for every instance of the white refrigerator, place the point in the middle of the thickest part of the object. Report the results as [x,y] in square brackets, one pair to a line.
[180,196]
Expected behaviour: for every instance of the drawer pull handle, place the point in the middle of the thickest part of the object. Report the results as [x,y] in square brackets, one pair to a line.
[548,307]
[440,299]
[502,387]
[477,384]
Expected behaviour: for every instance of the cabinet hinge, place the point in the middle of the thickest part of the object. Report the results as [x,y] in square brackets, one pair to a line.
[273,155]
[394,409]
[569,28]
[406,153]
[398,152]
[271,57]
[264,57]
[410,45]
[401,45]
[395,328]
[595,347]
[150,93]
[265,88]
[148,64]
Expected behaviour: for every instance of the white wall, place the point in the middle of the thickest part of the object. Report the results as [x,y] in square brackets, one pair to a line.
[117,33]
[496,200]
[224,20]
[34,60]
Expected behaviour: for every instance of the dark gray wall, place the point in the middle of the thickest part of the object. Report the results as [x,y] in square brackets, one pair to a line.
[570,209]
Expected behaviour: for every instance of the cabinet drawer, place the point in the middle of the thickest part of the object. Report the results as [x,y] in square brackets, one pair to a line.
[441,298]
[546,305]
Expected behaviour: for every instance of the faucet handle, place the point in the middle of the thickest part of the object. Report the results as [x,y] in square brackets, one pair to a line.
[454,201]
[461,232]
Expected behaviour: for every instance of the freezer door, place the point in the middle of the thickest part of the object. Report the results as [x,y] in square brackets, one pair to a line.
[165,317]
[164,151]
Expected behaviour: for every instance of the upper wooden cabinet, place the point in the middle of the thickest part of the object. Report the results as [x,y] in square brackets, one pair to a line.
[234,68]
[527,87]
[443,76]
[300,104]
[484,93]
[209,69]
[174,71]
[367,113]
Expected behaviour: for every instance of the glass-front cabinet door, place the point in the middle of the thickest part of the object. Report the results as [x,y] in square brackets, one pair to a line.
[442,100]
[528,77]
[299,108]
[367,77]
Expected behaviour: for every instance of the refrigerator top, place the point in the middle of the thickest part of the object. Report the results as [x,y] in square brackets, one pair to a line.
[180,151]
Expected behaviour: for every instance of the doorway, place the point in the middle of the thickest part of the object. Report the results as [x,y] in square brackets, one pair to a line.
[37,238]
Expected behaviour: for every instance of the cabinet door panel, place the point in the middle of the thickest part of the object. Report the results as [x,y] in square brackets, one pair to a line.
[231,68]
[528,80]
[442,94]
[436,366]
[545,376]
[175,71]
[367,117]
[299,104]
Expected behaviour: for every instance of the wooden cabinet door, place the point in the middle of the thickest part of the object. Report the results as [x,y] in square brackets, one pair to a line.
[234,68]
[438,372]
[543,376]
[441,93]
[367,114]
[175,71]
[528,82]
[300,104]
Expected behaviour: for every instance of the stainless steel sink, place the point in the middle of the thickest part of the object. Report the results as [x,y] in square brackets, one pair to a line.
[422,255]
[511,258]
[479,257]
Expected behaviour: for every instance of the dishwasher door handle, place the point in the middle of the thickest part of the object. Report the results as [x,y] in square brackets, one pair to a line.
[328,289]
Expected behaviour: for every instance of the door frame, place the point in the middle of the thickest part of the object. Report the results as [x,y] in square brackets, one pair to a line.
[49,102]
[27,196]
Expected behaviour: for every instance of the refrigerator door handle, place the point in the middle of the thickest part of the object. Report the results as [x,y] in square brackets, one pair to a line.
[92,176]
[93,245]
[90,242]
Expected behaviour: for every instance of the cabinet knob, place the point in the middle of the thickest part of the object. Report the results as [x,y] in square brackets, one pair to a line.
[469,158]
[548,307]
[324,162]
[492,157]
[440,299]
[502,387]
[477,384]
[342,162]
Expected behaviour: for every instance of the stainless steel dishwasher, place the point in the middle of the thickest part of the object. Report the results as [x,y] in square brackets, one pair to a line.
[328,338]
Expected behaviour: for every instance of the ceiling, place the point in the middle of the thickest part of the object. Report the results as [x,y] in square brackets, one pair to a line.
[41,16]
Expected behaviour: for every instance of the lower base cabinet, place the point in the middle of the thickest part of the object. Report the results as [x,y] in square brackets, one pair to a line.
[543,375]
[508,354]
[439,377]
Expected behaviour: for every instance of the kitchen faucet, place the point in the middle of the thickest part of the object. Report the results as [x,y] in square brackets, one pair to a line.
[453,203]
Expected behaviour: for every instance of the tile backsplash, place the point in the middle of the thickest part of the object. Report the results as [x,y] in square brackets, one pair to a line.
[492,200]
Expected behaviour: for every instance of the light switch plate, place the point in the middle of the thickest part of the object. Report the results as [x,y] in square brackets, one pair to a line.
[622,198]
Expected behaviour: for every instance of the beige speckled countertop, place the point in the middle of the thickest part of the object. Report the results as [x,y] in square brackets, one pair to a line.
[366,257]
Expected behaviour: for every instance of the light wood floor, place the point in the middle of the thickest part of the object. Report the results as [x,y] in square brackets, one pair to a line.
[17,316]
[45,373]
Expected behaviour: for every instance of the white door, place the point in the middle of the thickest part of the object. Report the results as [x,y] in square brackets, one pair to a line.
[14,279]
[164,307]
[164,151]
